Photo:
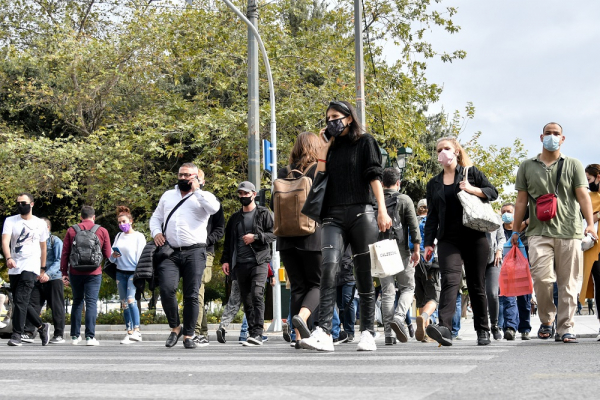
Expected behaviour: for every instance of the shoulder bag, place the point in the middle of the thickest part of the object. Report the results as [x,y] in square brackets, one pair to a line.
[165,251]
[478,215]
[546,205]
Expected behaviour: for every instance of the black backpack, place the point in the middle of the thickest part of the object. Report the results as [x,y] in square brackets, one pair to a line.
[86,252]
[392,206]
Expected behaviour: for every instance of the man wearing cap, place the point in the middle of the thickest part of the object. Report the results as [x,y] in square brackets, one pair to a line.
[427,279]
[246,254]
[180,221]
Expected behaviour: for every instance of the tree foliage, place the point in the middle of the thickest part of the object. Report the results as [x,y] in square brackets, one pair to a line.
[102,100]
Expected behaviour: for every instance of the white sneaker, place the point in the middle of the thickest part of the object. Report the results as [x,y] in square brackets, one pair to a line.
[126,339]
[75,340]
[2,325]
[136,336]
[367,342]
[91,342]
[318,340]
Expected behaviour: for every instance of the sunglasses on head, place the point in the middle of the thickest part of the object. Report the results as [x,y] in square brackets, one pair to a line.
[341,105]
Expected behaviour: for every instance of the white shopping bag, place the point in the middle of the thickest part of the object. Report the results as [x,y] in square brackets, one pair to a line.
[385,258]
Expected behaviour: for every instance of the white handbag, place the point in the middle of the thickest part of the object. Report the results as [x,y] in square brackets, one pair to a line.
[478,215]
[385,258]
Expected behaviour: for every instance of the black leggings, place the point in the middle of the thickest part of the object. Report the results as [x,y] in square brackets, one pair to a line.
[596,276]
[473,251]
[355,224]
[304,271]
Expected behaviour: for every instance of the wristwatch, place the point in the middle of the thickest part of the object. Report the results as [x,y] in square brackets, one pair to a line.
[255,236]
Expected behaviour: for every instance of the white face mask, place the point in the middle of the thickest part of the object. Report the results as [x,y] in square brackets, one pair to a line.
[445,157]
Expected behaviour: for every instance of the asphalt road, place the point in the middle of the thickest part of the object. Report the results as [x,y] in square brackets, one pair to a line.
[523,370]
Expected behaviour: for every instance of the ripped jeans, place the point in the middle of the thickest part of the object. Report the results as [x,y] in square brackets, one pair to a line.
[127,295]
[355,224]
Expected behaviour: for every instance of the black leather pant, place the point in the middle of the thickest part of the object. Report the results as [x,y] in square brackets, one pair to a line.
[357,225]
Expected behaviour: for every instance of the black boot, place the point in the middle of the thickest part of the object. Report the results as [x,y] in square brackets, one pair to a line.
[440,334]
[483,337]
[496,332]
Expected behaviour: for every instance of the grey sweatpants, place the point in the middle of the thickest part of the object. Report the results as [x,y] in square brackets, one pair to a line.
[406,287]
[233,305]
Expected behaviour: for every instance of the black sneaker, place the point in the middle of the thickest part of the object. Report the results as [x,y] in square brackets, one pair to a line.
[496,332]
[525,336]
[255,340]
[301,326]
[399,327]
[44,332]
[440,334]
[342,338]
[483,337]
[27,338]
[286,333]
[390,340]
[411,330]
[15,340]
[201,341]
[509,334]
[221,335]
[189,343]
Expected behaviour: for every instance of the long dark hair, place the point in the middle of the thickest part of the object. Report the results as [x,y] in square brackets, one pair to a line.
[356,129]
[593,169]
[305,150]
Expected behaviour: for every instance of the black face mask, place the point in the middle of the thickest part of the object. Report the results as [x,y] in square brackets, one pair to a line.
[184,185]
[245,201]
[594,187]
[23,209]
[335,127]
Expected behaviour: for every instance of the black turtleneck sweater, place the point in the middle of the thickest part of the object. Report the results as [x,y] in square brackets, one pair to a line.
[351,167]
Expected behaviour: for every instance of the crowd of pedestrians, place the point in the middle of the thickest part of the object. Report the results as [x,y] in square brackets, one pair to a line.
[327,259]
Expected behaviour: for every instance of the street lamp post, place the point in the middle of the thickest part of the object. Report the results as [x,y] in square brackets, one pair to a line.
[276,325]
[403,154]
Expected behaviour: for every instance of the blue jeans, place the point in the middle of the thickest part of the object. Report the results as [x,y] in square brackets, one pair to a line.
[291,325]
[456,318]
[84,288]
[524,307]
[345,302]
[335,324]
[244,329]
[508,313]
[127,295]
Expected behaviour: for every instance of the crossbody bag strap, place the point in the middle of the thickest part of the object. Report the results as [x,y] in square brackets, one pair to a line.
[559,174]
[164,227]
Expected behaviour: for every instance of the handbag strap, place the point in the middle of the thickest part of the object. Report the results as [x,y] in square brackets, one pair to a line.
[466,174]
[558,175]
[164,227]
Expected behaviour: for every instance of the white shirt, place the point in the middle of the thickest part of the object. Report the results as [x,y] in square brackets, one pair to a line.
[187,225]
[130,245]
[25,238]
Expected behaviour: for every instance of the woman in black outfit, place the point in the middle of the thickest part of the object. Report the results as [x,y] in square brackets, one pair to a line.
[352,160]
[457,244]
[301,255]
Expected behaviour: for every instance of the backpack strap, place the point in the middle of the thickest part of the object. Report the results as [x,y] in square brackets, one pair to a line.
[95,228]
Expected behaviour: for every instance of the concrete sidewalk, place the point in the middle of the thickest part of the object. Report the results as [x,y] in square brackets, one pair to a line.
[586,326]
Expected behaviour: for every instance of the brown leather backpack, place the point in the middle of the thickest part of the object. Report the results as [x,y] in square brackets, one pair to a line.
[289,196]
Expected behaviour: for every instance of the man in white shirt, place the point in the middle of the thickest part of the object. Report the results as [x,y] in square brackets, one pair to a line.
[186,234]
[24,247]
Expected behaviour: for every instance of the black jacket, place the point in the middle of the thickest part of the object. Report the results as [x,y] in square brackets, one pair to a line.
[436,201]
[215,229]
[145,268]
[262,226]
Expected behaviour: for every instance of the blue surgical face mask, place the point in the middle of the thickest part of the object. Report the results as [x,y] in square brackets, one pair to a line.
[507,217]
[551,142]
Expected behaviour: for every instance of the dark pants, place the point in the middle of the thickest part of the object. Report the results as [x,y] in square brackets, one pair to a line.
[251,279]
[524,307]
[474,253]
[189,265]
[355,224]
[304,271]
[21,286]
[85,288]
[596,277]
[52,292]
[345,297]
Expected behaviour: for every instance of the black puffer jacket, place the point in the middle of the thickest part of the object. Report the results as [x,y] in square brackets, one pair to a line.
[145,269]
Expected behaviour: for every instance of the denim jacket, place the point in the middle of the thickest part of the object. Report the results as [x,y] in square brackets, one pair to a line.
[54,249]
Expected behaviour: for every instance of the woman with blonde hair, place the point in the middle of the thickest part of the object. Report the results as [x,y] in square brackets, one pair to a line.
[457,244]
[127,250]
[301,255]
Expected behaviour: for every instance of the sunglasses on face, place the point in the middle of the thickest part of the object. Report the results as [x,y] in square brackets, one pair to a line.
[185,176]
[22,203]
